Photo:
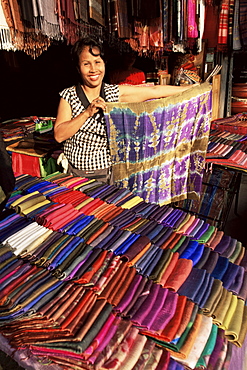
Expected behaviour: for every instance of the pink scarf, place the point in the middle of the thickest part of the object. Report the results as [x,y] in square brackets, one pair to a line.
[192,25]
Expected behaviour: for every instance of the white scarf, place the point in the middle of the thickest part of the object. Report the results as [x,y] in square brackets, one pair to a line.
[5,36]
[46,18]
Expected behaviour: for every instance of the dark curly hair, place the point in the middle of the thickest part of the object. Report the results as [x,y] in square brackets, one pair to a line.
[81,44]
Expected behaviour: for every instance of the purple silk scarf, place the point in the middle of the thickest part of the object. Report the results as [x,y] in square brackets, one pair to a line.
[158,147]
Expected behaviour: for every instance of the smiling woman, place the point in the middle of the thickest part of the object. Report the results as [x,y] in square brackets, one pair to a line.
[80,121]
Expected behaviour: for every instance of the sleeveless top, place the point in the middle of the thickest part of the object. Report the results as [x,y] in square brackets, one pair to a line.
[88,148]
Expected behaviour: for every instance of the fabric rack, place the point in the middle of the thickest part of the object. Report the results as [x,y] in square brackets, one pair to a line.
[225,164]
[33,26]
[94,277]
[219,186]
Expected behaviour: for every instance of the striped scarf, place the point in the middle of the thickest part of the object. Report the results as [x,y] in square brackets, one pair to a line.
[223,23]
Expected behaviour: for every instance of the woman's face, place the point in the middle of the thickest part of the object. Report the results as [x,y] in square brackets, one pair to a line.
[92,68]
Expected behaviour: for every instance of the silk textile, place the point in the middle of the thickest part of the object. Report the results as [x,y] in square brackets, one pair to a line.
[158,147]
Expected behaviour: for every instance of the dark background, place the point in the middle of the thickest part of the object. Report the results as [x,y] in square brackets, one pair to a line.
[30,87]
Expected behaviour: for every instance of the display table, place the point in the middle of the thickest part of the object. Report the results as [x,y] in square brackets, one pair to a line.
[32,146]
[92,274]
[29,157]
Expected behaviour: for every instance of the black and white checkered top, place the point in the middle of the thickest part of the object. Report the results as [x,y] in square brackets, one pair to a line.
[88,148]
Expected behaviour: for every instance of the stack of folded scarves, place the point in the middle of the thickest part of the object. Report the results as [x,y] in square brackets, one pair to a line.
[235,124]
[17,128]
[91,260]
[227,148]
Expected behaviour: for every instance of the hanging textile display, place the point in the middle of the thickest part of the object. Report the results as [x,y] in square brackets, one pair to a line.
[242,21]
[173,26]
[148,27]
[46,18]
[235,32]
[5,35]
[32,26]
[24,38]
[118,18]
[211,28]
[81,11]
[223,25]
[66,16]
[201,23]
[192,25]
[96,11]
[165,21]
[158,147]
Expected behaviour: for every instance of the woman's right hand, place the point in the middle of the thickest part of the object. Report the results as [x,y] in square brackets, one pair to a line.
[95,105]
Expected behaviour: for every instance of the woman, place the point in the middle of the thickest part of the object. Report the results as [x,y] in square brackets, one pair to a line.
[80,121]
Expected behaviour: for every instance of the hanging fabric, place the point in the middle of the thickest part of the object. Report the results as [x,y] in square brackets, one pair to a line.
[45,18]
[223,25]
[243,21]
[192,25]
[81,11]
[96,11]
[66,15]
[5,35]
[235,31]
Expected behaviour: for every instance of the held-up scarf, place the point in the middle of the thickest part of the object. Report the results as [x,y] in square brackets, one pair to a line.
[158,147]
